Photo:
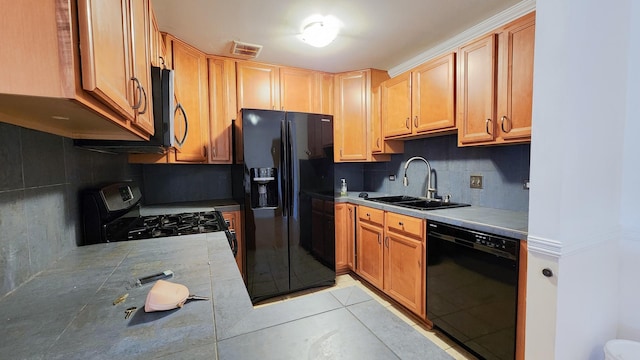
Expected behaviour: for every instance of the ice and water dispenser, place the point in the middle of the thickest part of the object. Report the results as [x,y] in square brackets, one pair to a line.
[264,188]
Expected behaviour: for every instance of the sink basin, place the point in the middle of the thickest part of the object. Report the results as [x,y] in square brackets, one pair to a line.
[416,203]
[394,199]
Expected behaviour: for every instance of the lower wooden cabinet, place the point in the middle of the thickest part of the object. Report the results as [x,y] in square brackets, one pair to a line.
[234,222]
[404,257]
[369,250]
[345,224]
[390,255]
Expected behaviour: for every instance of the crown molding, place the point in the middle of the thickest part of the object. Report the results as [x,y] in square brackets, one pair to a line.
[492,23]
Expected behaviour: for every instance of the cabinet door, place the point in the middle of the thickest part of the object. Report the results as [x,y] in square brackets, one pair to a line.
[396,105]
[104,43]
[433,95]
[190,86]
[257,86]
[350,123]
[370,253]
[376,119]
[141,60]
[342,226]
[404,273]
[325,97]
[297,89]
[476,91]
[351,236]
[515,79]
[221,109]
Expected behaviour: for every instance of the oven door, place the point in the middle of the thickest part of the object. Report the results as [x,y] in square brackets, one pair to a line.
[472,293]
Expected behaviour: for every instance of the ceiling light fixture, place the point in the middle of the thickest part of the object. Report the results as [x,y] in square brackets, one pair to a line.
[319,31]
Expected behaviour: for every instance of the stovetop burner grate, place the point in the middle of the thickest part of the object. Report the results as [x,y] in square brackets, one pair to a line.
[147,227]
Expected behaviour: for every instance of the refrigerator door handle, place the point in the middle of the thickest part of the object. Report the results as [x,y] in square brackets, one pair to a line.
[285,165]
[290,167]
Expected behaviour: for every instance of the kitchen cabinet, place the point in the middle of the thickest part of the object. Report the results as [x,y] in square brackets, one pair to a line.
[116,65]
[352,120]
[222,109]
[404,261]
[270,87]
[42,76]
[156,45]
[369,248]
[495,77]
[420,101]
[345,227]
[191,90]
[378,143]
[258,86]
[390,254]
[234,223]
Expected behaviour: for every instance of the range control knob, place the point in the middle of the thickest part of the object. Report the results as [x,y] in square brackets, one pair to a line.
[547,272]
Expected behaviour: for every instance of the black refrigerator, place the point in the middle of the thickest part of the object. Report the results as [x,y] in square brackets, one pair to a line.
[288,201]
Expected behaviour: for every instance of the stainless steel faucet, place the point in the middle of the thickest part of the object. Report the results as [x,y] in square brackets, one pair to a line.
[405,181]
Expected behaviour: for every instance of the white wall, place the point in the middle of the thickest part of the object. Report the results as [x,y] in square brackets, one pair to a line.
[579,119]
[629,326]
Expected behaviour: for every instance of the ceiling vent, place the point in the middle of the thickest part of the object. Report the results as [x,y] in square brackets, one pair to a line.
[245,50]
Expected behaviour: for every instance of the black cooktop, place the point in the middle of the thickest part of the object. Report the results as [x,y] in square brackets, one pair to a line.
[148,227]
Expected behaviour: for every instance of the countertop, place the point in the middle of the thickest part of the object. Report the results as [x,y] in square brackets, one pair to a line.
[512,224]
[67,312]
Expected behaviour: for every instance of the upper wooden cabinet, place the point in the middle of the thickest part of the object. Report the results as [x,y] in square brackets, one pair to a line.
[222,109]
[116,63]
[270,87]
[379,145]
[42,76]
[156,45]
[353,115]
[495,86]
[420,101]
[191,91]
[258,86]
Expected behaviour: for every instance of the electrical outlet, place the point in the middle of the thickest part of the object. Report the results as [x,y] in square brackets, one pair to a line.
[525,184]
[392,178]
[475,182]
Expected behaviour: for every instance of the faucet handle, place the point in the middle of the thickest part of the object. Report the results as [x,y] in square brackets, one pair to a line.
[446,198]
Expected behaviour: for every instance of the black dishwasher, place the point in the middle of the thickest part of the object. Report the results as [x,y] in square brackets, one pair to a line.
[472,288]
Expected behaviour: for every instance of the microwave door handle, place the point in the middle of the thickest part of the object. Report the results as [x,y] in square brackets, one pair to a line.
[186,124]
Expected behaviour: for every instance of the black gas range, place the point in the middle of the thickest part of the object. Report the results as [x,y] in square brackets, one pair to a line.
[112,213]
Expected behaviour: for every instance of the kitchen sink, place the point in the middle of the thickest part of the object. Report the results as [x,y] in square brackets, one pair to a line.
[416,203]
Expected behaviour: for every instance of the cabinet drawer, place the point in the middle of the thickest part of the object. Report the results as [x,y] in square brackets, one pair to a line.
[371,215]
[407,225]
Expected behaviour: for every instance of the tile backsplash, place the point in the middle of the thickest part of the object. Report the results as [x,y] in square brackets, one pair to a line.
[503,168]
[41,176]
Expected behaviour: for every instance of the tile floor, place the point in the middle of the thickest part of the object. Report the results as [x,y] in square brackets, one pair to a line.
[436,337]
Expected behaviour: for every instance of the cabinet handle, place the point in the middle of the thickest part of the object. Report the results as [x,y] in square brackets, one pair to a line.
[144,95]
[400,223]
[368,215]
[419,264]
[406,123]
[214,150]
[415,121]
[486,124]
[378,142]
[186,124]
[504,119]
[379,242]
[386,242]
[340,153]
[139,88]
[204,150]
